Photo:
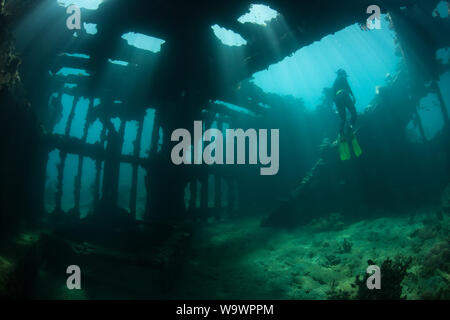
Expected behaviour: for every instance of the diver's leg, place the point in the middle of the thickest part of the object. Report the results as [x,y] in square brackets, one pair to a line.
[354,114]
[354,142]
[343,115]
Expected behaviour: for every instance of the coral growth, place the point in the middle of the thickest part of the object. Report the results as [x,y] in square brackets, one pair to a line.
[346,246]
[337,294]
[438,259]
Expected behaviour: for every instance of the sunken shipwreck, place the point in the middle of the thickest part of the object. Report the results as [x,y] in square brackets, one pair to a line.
[348,101]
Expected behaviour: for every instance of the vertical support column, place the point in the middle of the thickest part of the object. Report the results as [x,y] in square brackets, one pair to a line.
[137,151]
[71,116]
[98,170]
[121,136]
[63,156]
[77,189]
[59,190]
[115,153]
[155,133]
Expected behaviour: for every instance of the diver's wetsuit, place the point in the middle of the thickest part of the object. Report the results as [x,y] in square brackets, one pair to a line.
[343,99]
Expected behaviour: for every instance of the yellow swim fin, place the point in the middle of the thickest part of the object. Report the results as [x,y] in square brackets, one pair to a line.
[356,148]
[344,150]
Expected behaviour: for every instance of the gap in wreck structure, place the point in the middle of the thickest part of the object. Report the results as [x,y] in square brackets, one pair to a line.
[312,68]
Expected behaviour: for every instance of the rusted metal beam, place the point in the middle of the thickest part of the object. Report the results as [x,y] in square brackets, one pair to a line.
[137,151]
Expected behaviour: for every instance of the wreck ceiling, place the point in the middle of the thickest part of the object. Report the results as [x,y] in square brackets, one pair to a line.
[193,65]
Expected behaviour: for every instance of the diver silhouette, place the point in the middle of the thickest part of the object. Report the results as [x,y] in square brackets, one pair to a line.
[344,99]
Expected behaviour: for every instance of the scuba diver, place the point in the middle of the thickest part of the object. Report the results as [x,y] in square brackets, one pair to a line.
[344,99]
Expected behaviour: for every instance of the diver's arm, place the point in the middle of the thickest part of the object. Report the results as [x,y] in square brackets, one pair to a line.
[353,96]
[350,91]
